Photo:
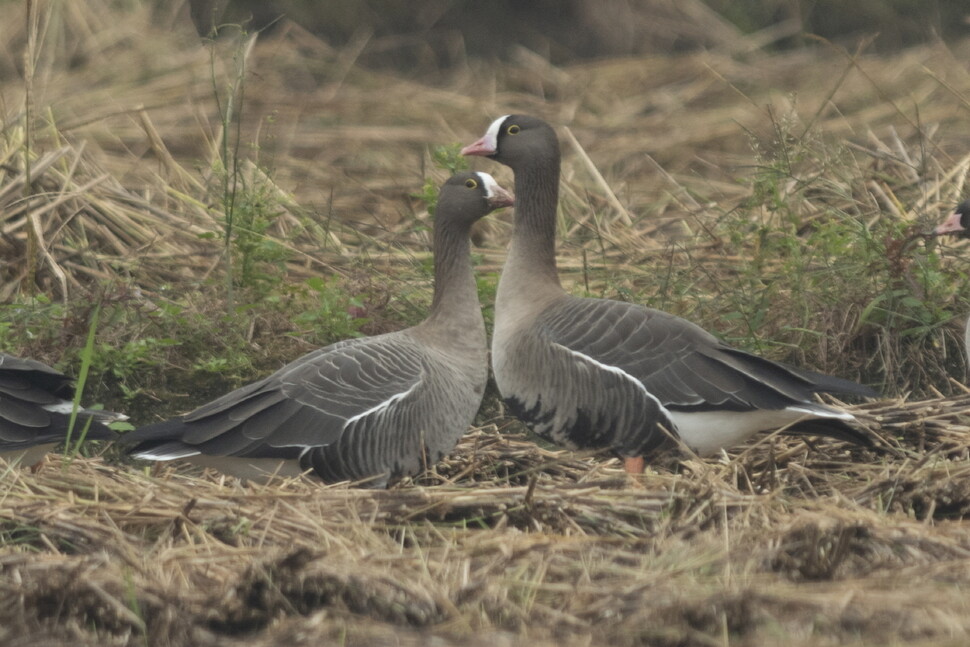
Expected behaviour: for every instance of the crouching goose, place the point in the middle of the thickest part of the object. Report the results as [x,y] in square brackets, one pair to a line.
[596,373]
[958,224]
[35,411]
[375,408]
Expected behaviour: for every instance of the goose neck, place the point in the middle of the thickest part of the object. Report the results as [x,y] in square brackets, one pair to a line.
[455,301]
[533,248]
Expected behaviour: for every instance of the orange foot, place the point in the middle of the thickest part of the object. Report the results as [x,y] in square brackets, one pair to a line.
[633,465]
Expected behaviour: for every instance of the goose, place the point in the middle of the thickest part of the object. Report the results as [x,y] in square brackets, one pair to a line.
[35,411]
[592,373]
[372,409]
[958,224]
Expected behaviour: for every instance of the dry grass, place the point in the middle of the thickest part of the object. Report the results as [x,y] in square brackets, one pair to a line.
[350,145]
[505,543]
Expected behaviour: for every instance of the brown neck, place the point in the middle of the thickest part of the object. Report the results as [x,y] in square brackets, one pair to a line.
[455,302]
[533,250]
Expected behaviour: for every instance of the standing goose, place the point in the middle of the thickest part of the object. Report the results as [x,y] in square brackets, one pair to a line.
[958,224]
[596,373]
[375,408]
[35,411]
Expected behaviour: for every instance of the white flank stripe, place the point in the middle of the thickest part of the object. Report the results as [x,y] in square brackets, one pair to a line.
[187,453]
[66,406]
[61,407]
[169,456]
[822,412]
[380,407]
[617,371]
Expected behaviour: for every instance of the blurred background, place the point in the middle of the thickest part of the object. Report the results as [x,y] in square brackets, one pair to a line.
[427,33]
[234,183]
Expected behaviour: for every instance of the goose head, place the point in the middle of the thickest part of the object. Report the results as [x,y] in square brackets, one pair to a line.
[516,140]
[957,223]
[466,197]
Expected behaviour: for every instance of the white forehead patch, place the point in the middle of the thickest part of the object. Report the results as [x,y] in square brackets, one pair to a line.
[491,135]
[488,182]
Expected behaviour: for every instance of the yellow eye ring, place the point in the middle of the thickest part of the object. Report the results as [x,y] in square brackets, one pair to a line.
[513,129]
[471,184]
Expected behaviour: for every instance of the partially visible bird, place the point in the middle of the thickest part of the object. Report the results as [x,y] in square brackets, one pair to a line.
[596,373]
[957,223]
[372,409]
[35,411]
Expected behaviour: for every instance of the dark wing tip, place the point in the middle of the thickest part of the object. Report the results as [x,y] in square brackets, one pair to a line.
[831,428]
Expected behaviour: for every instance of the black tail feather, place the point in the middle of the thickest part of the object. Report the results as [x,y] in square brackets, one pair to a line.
[830,428]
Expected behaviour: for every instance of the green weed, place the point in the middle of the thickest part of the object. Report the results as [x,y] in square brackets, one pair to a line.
[86,357]
[447,158]
[332,317]
[249,201]
[807,272]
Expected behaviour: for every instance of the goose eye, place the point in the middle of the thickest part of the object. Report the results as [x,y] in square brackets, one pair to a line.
[513,129]
[471,184]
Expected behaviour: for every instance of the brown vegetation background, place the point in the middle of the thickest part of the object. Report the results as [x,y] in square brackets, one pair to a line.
[668,116]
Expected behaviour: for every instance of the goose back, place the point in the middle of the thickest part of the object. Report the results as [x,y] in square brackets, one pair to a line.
[372,409]
[597,373]
[601,373]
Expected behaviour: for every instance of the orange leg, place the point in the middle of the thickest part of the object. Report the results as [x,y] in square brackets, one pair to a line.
[633,465]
